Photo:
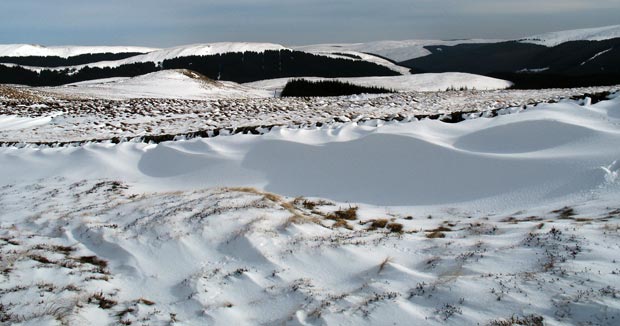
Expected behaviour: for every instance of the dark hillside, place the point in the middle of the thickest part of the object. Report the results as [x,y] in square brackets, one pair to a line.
[571,64]
[36,61]
[237,67]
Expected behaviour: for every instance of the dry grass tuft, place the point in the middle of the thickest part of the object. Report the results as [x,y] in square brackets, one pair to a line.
[342,224]
[95,261]
[435,235]
[102,301]
[565,212]
[384,263]
[378,224]
[440,229]
[395,227]
[146,302]
[529,320]
[349,214]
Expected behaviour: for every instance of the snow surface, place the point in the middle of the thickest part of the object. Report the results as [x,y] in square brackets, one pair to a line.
[160,55]
[395,50]
[8,122]
[202,49]
[588,34]
[24,50]
[550,151]
[81,119]
[141,233]
[596,56]
[431,82]
[179,84]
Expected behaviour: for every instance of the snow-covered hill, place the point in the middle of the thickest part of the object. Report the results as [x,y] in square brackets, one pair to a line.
[194,50]
[512,220]
[400,51]
[24,50]
[394,50]
[178,84]
[159,55]
[408,83]
[588,34]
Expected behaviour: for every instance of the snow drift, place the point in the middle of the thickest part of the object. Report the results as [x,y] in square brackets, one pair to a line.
[408,83]
[178,84]
[552,151]
[105,234]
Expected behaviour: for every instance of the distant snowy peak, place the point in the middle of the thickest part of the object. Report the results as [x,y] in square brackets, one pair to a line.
[25,50]
[206,49]
[394,50]
[589,34]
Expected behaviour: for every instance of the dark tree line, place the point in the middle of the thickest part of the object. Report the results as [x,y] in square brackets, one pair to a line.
[237,67]
[54,61]
[22,76]
[305,88]
[252,66]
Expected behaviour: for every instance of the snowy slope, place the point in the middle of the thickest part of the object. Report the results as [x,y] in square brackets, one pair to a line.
[588,34]
[346,54]
[189,50]
[409,83]
[411,49]
[136,234]
[23,50]
[204,49]
[395,50]
[551,150]
[178,84]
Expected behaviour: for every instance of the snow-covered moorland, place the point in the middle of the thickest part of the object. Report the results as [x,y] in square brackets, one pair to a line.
[493,221]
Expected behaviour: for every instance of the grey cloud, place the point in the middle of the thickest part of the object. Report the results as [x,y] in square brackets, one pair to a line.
[166,23]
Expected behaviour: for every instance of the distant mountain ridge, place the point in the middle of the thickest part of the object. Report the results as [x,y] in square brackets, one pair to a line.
[26,50]
[586,34]
[548,58]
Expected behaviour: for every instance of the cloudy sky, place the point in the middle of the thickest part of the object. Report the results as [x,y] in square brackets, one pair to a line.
[290,22]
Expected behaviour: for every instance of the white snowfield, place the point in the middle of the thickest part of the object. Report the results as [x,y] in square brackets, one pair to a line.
[395,50]
[430,82]
[172,84]
[411,49]
[159,55]
[587,34]
[551,151]
[199,50]
[461,224]
[185,84]
[24,50]
[78,118]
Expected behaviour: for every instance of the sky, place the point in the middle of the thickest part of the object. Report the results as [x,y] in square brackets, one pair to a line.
[163,23]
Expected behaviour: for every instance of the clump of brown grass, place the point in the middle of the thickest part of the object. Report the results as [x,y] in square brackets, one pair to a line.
[565,212]
[395,227]
[435,235]
[146,302]
[342,224]
[102,301]
[529,320]
[378,224]
[349,214]
[440,229]
[95,261]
